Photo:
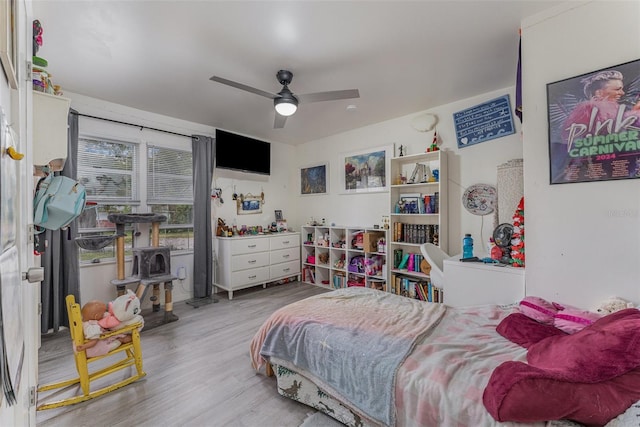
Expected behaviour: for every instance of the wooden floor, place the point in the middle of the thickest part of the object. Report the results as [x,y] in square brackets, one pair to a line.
[198,370]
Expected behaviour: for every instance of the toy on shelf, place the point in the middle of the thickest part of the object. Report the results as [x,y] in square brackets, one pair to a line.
[434,143]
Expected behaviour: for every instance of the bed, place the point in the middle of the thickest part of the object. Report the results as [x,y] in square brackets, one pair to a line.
[370,358]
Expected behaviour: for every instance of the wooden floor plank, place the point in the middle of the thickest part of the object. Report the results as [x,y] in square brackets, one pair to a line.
[198,370]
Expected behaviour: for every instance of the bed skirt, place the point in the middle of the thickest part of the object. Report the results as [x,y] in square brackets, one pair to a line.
[297,387]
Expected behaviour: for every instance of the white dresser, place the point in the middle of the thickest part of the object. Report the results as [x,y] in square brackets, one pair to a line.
[473,283]
[247,261]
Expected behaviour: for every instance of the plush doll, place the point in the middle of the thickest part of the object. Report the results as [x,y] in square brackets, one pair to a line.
[613,304]
[92,312]
[123,311]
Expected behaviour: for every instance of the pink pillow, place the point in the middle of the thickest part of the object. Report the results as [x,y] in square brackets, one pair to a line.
[538,309]
[572,320]
[608,347]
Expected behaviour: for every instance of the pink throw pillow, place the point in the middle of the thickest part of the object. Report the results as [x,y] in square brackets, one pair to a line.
[572,320]
[538,309]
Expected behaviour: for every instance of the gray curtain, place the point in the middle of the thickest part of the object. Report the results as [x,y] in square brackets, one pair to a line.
[60,259]
[203,154]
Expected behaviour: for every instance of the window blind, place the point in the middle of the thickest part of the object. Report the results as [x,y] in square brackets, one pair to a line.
[169,176]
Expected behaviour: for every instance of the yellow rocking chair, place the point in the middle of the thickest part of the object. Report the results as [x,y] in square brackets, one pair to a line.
[132,352]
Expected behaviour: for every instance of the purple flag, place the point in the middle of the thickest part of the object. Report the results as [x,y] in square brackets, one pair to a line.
[518,108]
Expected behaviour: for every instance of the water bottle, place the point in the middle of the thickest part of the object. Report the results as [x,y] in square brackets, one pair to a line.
[467,246]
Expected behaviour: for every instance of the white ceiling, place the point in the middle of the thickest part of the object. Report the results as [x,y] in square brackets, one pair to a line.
[403,57]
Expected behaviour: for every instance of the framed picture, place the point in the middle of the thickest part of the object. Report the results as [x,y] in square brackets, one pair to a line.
[249,204]
[593,127]
[8,46]
[314,179]
[279,215]
[366,171]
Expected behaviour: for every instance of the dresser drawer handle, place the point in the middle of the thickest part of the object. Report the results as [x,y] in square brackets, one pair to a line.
[252,261]
[252,277]
[285,243]
[286,256]
[251,246]
[286,269]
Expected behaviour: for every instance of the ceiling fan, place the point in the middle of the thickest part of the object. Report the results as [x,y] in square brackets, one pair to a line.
[285,101]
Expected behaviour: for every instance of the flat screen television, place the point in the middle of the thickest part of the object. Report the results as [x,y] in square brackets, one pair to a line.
[242,153]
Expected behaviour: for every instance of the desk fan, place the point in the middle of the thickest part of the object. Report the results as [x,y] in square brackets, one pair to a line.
[502,238]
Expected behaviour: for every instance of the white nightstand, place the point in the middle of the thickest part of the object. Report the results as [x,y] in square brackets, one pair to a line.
[475,283]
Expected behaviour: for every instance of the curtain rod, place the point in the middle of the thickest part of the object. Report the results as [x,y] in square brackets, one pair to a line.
[134,125]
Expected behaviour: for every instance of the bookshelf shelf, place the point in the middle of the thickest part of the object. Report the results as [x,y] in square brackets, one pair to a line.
[346,261]
[418,214]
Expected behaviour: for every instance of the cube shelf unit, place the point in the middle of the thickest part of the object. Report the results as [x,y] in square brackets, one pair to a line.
[419,219]
[338,256]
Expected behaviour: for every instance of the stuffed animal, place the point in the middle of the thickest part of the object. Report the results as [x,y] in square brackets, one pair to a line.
[122,311]
[613,304]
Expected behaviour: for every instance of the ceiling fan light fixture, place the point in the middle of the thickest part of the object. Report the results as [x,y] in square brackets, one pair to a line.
[285,107]
[286,104]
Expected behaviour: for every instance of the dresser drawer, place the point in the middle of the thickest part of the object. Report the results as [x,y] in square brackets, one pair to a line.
[285,269]
[245,261]
[284,255]
[242,246]
[255,275]
[287,241]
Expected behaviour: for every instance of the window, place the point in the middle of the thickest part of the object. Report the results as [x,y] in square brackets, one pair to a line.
[170,192]
[119,180]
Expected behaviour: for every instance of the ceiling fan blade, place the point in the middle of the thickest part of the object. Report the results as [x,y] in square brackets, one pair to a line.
[244,87]
[329,96]
[279,121]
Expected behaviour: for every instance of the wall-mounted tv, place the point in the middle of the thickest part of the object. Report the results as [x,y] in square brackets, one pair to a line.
[242,153]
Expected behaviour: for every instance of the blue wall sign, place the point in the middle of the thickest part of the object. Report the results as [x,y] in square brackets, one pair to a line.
[483,122]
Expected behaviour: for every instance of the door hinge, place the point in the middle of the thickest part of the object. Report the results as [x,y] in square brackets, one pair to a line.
[32,396]
[29,69]
[30,231]
[39,309]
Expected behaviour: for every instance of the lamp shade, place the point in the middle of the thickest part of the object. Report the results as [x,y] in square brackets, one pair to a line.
[286,104]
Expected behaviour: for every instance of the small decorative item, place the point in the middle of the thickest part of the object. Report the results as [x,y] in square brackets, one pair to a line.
[279,215]
[434,142]
[401,148]
[517,238]
[480,199]
[37,36]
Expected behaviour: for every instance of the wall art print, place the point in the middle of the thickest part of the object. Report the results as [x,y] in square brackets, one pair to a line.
[366,171]
[313,179]
[594,125]
[484,122]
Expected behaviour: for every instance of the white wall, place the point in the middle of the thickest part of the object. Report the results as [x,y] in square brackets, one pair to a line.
[582,240]
[467,166]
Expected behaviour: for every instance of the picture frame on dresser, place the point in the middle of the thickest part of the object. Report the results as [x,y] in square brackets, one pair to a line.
[314,179]
[8,46]
[365,171]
